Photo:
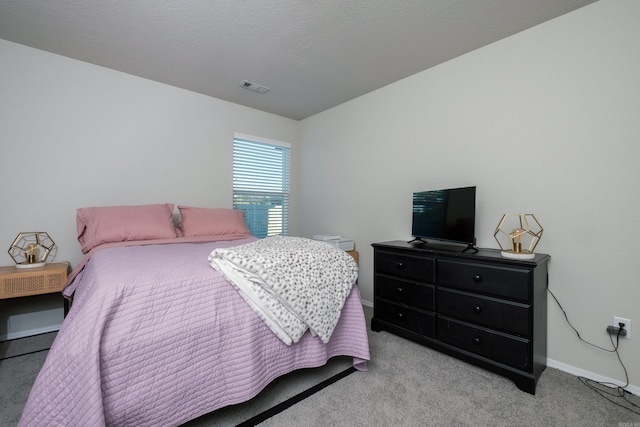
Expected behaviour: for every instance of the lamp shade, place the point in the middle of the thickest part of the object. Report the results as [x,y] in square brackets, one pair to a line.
[32,249]
[518,235]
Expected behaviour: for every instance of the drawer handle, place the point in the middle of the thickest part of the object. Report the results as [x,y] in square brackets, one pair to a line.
[400,315]
[399,290]
[477,341]
[477,309]
[477,278]
[400,266]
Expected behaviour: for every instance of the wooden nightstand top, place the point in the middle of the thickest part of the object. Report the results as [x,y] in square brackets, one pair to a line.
[20,282]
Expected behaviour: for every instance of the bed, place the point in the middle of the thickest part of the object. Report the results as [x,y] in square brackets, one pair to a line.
[156,336]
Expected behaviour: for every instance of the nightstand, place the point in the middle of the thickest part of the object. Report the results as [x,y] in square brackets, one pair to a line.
[22,282]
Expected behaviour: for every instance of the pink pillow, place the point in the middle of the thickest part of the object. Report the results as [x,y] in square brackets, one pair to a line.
[211,222]
[108,224]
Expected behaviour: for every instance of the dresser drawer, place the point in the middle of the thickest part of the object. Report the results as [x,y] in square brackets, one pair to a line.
[503,315]
[404,266]
[512,351]
[405,292]
[500,281]
[412,320]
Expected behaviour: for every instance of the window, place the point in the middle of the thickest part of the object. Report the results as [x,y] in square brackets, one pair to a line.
[261,180]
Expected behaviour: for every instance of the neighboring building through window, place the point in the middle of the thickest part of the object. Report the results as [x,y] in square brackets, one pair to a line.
[261,181]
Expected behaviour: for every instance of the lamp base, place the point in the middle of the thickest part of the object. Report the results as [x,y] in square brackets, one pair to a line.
[30,265]
[518,255]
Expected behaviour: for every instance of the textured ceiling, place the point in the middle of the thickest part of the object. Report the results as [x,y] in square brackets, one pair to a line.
[312,54]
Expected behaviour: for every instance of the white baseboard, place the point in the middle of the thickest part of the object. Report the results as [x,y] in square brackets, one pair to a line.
[367,303]
[30,332]
[586,374]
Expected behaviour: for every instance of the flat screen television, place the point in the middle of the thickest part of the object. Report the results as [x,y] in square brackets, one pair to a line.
[447,215]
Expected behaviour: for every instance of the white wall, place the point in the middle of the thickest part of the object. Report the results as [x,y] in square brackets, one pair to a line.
[543,122]
[75,135]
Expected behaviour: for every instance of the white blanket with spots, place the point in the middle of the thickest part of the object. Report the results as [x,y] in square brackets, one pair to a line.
[292,283]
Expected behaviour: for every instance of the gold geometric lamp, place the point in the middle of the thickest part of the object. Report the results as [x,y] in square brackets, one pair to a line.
[518,235]
[32,249]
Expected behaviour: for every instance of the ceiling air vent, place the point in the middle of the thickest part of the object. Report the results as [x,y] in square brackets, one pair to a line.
[254,87]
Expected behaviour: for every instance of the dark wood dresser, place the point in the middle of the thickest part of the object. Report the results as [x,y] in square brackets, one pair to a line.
[480,307]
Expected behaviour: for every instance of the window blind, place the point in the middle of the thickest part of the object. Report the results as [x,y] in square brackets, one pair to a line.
[261,184]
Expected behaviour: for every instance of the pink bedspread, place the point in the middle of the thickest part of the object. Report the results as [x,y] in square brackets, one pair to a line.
[155,336]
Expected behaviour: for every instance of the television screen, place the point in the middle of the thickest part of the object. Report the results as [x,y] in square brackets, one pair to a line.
[447,215]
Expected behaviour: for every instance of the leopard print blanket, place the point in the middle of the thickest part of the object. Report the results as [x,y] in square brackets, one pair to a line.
[292,283]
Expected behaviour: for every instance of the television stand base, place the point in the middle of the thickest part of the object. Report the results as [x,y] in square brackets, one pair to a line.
[470,247]
[442,246]
[417,241]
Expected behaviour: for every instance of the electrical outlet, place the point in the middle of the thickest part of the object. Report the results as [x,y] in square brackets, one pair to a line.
[627,325]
